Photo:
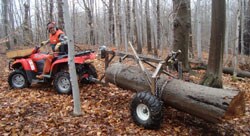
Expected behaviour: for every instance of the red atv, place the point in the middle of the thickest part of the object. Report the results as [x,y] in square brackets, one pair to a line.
[25,68]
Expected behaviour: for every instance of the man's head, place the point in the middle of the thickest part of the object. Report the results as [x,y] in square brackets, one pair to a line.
[51,27]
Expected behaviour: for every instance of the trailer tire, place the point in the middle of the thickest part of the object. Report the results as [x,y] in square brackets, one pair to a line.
[147,110]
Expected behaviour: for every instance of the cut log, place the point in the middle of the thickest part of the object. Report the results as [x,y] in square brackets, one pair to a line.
[210,104]
[240,73]
[225,70]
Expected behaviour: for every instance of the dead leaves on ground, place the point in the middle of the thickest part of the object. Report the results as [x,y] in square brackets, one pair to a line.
[39,110]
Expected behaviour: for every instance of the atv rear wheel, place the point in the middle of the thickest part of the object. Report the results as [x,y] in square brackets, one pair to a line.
[146,110]
[62,83]
[87,71]
[18,79]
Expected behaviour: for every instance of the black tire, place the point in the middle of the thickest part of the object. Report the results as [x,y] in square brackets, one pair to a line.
[90,71]
[147,110]
[18,79]
[62,83]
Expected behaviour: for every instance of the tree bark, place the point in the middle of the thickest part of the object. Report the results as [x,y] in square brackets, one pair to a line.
[60,14]
[111,22]
[148,26]
[51,8]
[73,77]
[210,104]
[213,75]
[89,9]
[247,31]
[182,26]
[26,26]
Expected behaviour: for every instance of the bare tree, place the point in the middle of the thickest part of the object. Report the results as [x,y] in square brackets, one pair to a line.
[148,25]
[72,69]
[182,26]
[213,75]
[5,6]
[60,14]
[51,9]
[26,26]
[158,16]
[198,30]
[89,9]
[111,22]
[247,31]
[137,26]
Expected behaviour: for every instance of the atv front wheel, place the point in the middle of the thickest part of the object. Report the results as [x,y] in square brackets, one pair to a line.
[146,110]
[62,83]
[18,79]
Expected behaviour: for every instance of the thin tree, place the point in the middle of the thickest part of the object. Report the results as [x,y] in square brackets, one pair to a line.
[182,26]
[5,6]
[26,26]
[148,26]
[60,14]
[89,9]
[158,17]
[247,31]
[72,69]
[198,30]
[213,76]
[51,9]
[111,22]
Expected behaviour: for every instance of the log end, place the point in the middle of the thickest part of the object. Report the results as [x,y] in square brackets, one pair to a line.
[236,107]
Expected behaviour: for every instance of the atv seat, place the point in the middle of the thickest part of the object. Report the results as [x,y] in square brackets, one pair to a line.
[82,53]
[59,57]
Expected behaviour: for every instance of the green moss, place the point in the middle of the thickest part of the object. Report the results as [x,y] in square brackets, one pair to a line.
[211,81]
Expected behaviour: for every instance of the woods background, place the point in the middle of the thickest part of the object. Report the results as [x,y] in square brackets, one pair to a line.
[147,23]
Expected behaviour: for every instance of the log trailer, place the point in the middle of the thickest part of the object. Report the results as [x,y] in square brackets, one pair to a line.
[160,87]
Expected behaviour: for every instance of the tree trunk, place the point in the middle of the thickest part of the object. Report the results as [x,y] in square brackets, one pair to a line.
[72,69]
[198,31]
[237,40]
[111,22]
[128,20]
[89,10]
[247,31]
[213,75]
[182,28]
[227,29]
[210,104]
[148,26]
[158,24]
[6,21]
[60,14]
[26,26]
[51,8]
[124,24]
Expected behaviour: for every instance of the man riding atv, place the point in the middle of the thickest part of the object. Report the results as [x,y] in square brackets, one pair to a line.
[39,67]
[58,42]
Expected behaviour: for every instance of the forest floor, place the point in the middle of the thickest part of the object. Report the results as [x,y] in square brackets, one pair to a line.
[39,110]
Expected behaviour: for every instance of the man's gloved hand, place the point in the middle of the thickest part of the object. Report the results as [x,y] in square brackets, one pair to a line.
[44,43]
[57,46]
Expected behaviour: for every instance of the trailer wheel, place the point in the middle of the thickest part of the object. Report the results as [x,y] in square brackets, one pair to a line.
[146,110]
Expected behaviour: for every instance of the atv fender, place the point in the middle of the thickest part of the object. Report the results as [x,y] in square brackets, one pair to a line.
[27,64]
